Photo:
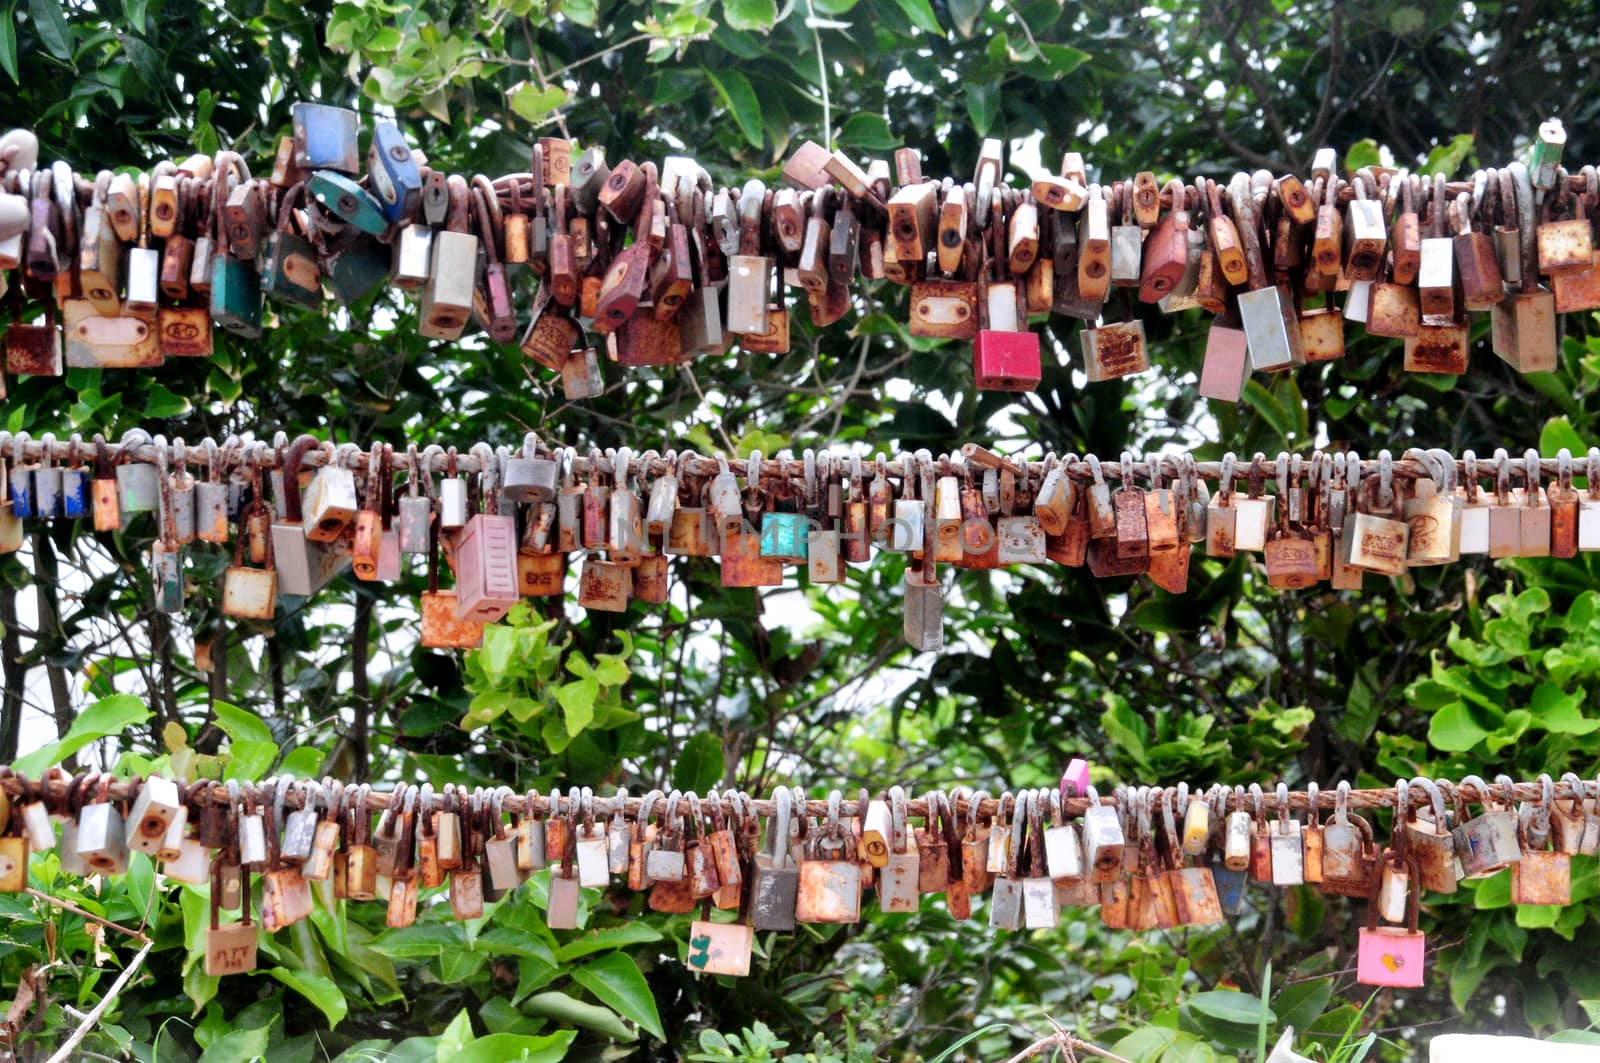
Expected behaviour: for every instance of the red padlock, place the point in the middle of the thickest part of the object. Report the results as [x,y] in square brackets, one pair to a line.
[1006,361]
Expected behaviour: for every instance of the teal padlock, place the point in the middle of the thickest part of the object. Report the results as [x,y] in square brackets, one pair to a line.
[348,201]
[784,537]
[289,270]
[354,272]
[236,296]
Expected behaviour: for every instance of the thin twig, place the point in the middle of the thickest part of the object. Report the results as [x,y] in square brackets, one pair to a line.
[137,935]
[64,1053]
[695,383]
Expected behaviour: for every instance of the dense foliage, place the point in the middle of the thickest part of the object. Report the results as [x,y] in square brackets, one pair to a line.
[1486,667]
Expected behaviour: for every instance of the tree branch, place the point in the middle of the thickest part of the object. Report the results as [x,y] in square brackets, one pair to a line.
[91,1020]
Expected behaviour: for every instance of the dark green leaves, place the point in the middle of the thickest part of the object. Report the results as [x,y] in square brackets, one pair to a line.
[51,26]
[733,88]
[750,14]
[700,765]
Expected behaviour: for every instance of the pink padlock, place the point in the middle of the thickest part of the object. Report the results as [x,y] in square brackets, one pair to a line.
[1006,361]
[1392,956]
[1075,780]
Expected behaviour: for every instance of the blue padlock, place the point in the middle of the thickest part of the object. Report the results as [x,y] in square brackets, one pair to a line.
[1230,886]
[21,478]
[325,138]
[395,177]
[784,537]
[75,500]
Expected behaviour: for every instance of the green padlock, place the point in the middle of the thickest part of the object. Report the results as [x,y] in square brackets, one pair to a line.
[356,270]
[347,200]
[289,270]
[236,296]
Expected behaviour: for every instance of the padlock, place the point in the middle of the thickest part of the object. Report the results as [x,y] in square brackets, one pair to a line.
[231,948]
[1040,907]
[453,270]
[1391,956]
[101,838]
[393,173]
[1166,252]
[828,889]
[720,948]
[1127,241]
[1489,842]
[1006,896]
[1103,840]
[487,578]
[1429,844]
[325,138]
[1524,322]
[153,811]
[331,503]
[580,375]
[1117,350]
[900,874]
[1093,247]
[1365,235]
[1236,842]
[944,308]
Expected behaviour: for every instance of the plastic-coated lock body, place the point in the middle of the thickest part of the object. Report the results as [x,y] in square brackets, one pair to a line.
[325,138]
[236,296]
[396,179]
[343,198]
[487,578]
[1006,361]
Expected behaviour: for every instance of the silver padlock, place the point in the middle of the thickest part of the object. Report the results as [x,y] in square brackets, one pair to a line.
[183,496]
[138,484]
[1488,842]
[47,482]
[416,508]
[413,254]
[303,566]
[211,500]
[1005,898]
[580,375]
[300,826]
[528,479]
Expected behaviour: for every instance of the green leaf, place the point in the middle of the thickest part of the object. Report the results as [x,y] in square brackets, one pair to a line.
[983,105]
[1064,59]
[519,1048]
[583,12]
[1448,157]
[532,103]
[564,1007]
[1453,729]
[319,990]
[8,42]
[616,981]
[750,14]
[577,703]
[921,15]
[1362,153]
[1557,433]
[737,95]
[867,132]
[611,937]
[700,763]
[1232,1007]
[108,716]
[240,723]
[249,761]
[163,404]
[456,1036]
[304,762]
[51,26]
[237,1045]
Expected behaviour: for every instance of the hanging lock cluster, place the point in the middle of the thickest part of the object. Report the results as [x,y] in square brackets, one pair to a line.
[507,521]
[1148,857]
[666,267]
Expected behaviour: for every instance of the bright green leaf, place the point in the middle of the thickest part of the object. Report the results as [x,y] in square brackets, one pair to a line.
[533,104]
[108,716]
[1448,157]
[611,937]
[240,723]
[249,761]
[1362,153]
[1453,729]
[616,981]
[564,1007]
[516,1048]
[750,15]
[237,1045]
[577,703]
[920,12]
[162,404]
[867,132]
